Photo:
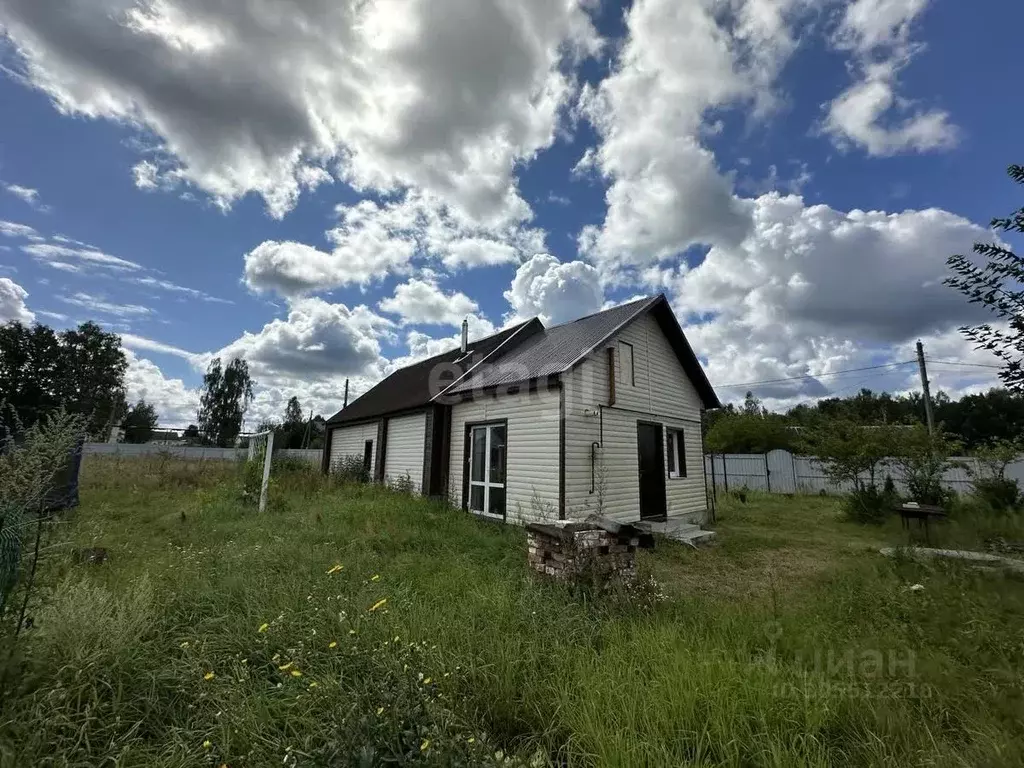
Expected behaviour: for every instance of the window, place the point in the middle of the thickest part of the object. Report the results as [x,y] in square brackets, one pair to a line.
[487,458]
[367,456]
[676,453]
[627,373]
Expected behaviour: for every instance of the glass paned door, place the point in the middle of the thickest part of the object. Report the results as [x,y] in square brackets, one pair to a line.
[487,458]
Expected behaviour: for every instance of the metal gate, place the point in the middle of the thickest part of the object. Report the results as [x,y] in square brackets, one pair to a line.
[781,471]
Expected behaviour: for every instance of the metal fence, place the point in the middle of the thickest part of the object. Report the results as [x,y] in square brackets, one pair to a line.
[775,472]
[193,452]
[782,472]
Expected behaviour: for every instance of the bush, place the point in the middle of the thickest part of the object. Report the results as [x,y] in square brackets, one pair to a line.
[403,484]
[252,481]
[350,469]
[999,493]
[870,505]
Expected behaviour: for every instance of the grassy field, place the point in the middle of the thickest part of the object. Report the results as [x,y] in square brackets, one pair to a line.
[353,626]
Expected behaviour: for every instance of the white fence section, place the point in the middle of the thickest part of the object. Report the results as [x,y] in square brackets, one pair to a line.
[782,472]
[194,452]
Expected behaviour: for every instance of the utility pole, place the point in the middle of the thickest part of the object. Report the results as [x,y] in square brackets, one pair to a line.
[924,386]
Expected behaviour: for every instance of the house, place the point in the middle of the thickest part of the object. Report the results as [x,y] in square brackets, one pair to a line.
[599,415]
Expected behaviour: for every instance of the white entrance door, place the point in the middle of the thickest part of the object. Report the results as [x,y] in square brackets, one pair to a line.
[487,454]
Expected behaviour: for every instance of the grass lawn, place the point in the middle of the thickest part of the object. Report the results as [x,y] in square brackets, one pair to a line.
[353,626]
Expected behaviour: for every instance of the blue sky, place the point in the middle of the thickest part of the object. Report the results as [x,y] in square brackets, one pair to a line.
[330,189]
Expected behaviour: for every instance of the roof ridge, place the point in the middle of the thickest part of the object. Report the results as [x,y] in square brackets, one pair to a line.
[609,309]
[482,339]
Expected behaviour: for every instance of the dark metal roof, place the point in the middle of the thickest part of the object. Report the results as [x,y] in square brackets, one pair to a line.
[554,350]
[560,348]
[519,354]
[410,387]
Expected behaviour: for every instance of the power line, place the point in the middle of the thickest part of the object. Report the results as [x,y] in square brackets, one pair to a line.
[961,362]
[815,376]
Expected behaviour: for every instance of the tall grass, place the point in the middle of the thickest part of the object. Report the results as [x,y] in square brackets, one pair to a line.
[765,652]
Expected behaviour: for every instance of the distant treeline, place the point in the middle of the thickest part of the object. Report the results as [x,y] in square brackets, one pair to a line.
[974,420]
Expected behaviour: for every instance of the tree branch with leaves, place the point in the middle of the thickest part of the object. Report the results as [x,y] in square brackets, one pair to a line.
[998,285]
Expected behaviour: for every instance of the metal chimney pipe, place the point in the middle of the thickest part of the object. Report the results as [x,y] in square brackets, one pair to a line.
[465,335]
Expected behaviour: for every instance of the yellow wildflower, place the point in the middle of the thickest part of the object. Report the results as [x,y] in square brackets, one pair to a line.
[335,569]
[427,681]
[185,644]
[209,676]
[245,661]
[376,577]
[378,604]
[380,711]
[425,745]
[351,631]
[313,684]
[296,673]
[332,644]
[207,744]
[263,627]
[470,740]
[283,667]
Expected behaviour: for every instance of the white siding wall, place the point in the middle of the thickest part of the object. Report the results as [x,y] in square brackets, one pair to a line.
[663,393]
[532,463]
[403,452]
[349,441]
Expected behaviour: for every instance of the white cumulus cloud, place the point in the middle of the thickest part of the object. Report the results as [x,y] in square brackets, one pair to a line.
[421,302]
[260,97]
[869,113]
[12,302]
[556,292]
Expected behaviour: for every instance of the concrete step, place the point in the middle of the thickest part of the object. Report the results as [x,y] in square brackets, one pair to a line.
[678,529]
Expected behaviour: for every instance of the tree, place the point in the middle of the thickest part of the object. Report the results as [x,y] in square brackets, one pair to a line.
[741,432]
[140,423]
[292,431]
[293,412]
[92,376]
[191,435]
[752,406]
[851,453]
[80,369]
[997,287]
[29,371]
[227,393]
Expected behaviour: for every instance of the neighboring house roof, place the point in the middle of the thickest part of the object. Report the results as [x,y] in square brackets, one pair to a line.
[409,387]
[524,352]
[560,348]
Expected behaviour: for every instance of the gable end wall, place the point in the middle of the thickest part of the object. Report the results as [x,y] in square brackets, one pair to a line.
[662,393]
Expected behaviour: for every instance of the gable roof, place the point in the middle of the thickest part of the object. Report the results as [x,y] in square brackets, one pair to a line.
[409,387]
[560,348]
[555,350]
[521,353]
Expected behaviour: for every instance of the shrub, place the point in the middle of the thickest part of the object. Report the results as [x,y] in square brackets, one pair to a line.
[923,459]
[998,493]
[252,481]
[403,484]
[867,504]
[991,485]
[350,469]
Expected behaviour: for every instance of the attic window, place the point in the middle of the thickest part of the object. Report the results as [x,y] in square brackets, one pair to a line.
[626,372]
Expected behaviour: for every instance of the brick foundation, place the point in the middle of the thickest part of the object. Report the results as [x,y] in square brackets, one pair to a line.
[566,552]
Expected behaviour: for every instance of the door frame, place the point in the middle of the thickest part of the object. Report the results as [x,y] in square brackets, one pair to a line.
[467,462]
[659,452]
